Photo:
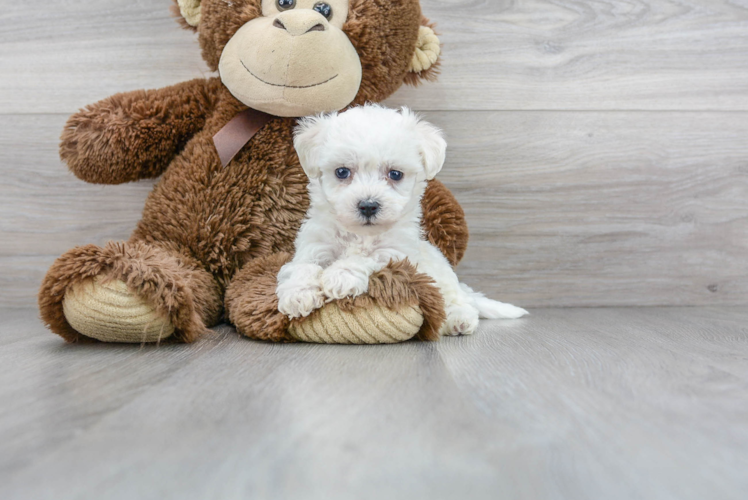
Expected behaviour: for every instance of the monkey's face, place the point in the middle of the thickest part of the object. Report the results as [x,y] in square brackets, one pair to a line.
[303,57]
[294,60]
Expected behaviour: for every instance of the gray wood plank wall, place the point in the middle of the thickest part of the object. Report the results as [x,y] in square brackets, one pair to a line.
[600,149]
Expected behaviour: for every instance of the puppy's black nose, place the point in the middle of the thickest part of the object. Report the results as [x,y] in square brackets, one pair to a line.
[368,208]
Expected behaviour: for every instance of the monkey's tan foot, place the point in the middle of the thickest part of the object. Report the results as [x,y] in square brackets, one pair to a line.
[110,312]
[371,324]
[128,292]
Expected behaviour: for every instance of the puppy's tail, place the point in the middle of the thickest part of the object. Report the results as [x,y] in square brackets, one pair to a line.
[493,309]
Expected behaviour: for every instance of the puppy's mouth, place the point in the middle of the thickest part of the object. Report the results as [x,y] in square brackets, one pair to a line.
[287,86]
[369,221]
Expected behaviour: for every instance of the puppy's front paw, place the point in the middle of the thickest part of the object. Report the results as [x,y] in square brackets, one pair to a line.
[300,302]
[338,283]
[461,320]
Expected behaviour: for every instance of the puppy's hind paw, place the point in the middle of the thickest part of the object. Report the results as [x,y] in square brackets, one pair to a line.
[461,320]
[301,302]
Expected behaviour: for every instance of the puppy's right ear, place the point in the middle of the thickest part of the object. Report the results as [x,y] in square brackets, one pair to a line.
[431,143]
[308,139]
[433,148]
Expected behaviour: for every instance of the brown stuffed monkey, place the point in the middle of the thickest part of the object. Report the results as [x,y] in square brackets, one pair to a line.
[221,221]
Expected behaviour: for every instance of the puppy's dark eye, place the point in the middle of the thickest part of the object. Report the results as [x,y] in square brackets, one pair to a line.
[285,4]
[324,9]
[342,173]
[395,175]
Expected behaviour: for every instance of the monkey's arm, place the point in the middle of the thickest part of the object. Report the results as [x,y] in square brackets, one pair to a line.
[134,135]
[444,222]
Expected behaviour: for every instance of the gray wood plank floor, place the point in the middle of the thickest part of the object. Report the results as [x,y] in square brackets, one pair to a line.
[565,404]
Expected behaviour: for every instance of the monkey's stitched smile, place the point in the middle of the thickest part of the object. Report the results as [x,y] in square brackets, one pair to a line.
[287,86]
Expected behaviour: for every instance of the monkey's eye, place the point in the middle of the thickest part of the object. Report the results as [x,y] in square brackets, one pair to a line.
[285,4]
[324,9]
[395,175]
[343,173]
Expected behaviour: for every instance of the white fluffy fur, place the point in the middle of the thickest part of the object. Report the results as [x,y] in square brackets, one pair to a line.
[337,248]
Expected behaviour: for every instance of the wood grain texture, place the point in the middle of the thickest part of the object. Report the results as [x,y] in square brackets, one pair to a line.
[582,55]
[498,54]
[565,209]
[603,208]
[565,404]
[60,56]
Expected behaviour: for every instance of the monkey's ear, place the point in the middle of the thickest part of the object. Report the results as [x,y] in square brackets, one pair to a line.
[188,13]
[308,139]
[425,62]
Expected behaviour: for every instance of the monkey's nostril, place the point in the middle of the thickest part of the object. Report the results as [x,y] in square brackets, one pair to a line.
[368,208]
[279,24]
[317,27]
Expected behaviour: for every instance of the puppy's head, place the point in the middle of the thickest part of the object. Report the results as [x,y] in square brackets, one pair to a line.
[369,165]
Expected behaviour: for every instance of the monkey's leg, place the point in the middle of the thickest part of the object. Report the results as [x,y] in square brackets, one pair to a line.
[128,292]
[251,302]
[400,304]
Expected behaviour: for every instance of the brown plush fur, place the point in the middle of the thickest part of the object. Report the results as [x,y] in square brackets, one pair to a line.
[140,132]
[444,222]
[204,227]
[251,302]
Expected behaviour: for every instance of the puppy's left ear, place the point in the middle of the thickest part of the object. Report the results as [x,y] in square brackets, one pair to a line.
[308,140]
[433,148]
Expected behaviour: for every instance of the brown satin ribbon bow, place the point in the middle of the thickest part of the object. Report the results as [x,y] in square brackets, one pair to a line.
[238,132]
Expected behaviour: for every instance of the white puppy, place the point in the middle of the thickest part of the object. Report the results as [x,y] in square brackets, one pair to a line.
[368,169]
